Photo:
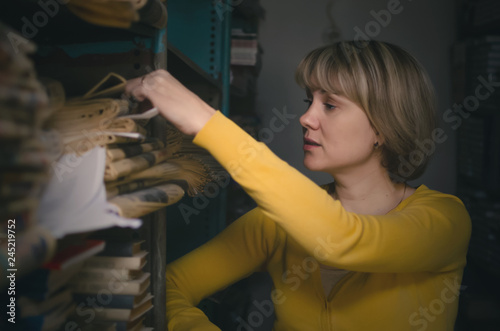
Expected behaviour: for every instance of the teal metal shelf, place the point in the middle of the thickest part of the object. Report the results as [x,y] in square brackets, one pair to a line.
[201,30]
[199,40]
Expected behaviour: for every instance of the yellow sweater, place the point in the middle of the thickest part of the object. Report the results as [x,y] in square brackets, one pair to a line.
[406,266]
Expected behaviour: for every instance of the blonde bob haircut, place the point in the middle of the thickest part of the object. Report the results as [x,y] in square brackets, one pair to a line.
[390,86]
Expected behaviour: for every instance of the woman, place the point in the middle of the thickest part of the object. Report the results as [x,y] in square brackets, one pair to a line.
[367,252]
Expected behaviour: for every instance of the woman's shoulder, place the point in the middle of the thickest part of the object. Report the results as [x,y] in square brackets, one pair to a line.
[424,196]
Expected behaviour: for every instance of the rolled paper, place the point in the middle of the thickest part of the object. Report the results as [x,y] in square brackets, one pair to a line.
[80,115]
[132,186]
[146,201]
[82,143]
[125,151]
[189,170]
[174,139]
[137,163]
[125,125]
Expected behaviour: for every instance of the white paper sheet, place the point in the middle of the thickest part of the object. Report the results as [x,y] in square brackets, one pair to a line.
[74,200]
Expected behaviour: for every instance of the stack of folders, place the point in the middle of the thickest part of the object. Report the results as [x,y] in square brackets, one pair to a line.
[112,289]
[143,177]
[25,104]
[45,299]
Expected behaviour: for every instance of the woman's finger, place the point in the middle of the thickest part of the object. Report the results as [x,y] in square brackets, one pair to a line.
[132,84]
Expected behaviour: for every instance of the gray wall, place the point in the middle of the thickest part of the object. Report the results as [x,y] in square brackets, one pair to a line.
[291,28]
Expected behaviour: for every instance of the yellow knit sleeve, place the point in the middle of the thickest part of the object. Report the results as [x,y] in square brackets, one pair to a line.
[238,251]
[429,234]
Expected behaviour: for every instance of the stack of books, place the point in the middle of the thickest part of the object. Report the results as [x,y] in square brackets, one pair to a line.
[45,297]
[114,288]
[244,48]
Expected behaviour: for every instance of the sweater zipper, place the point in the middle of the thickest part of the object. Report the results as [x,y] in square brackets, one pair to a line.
[326,316]
[327,301]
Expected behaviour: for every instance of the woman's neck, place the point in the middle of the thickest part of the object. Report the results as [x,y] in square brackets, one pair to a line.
[374,193]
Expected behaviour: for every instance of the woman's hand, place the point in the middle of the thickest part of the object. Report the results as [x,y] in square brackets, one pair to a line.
[176,103]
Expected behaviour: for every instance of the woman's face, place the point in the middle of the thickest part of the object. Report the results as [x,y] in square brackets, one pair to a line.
[338,136]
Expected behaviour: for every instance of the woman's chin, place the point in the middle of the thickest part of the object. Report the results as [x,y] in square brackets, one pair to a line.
[311,165]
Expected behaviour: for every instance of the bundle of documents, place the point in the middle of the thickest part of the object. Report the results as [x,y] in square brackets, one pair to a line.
[25,104]
[142,173]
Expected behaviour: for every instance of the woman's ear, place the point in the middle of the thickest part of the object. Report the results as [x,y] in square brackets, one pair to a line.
[379,139]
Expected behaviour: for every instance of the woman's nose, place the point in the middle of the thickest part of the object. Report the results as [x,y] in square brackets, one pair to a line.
[308,120]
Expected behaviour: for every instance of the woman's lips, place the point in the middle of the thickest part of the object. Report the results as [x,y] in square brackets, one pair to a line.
[310,144]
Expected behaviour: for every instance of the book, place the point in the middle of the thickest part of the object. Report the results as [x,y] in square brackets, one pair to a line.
[134,287]
[101,274]
[117,301]
[135,262]
[75,253]
[119,248]
[114,314]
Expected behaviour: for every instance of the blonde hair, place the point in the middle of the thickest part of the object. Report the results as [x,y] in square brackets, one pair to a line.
[390,86]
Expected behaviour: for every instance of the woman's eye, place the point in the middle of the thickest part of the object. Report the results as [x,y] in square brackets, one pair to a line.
[329,106]
[308,102]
